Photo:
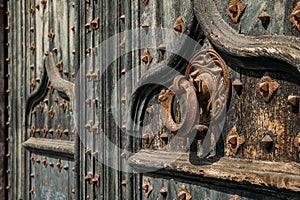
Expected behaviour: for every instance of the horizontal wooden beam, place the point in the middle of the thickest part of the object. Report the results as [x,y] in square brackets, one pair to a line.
[232,172]
[60,148]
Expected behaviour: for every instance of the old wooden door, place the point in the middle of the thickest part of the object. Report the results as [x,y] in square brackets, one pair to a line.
[195,100]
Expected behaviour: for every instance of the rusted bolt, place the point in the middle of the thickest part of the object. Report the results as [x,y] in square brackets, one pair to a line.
[8,91]
[95,75]
[95,101]
[264,17]
[163,191]
[58,131]
[147,58]
[44,130]
[147,187]
[73,52]
[66,72]
[7,155]
[66,131]
[237,85]
[96,180]
[234,140]
[73,28]
[123,155]
[63,105]
[7,75]
[55,100]
[145,2]
[32,158]
[7,139]
[123,183]
[46,53]
[44,3]
[59,165]
[122,18]
[123,71]
[95,23]
[44,162]
[89,177]
[8,187]
[31,66]
[31,29]
[266,87]
[73,131]
[38,79]
[96,128]
[31,174]
[7,28]
[145,25]
[51,35]
[32,131]
[52,112]
[8,171]
[235,197]
[54,50]
[235,10]
[73,75]
[183,194]
[59,65]
[267,141]
[51,164]
[295,16]
[88,27]
[297,142]
[32,84]
[7,60]
[37,7]
[66,167]
[51,88]
[179,27]
[51,131]
[32,48]
[32,10]
[293,100]
[88,152]
[73,169]
[41,106]
[37,160]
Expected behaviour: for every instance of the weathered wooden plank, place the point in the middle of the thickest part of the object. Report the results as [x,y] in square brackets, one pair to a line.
[50,146]
[262,175]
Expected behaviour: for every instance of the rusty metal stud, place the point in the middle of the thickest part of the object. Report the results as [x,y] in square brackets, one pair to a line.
[164,136]
[63,105]
[267,141]
[52,112]
[66,167]
[123,183]
[31,66]
[183,194]
[88,27]
[46,101]
[179,27]
[59,165]
[89,125]
[59,65]
[54,50]
[266,87]
[73,28]
[73,190]
[51,131]
[38,79]
[32,10]
[162,48]
[37,7]
[96,128]
[145,2]
[44,130]
[55,100]
[7,60]
[51,88]
[295,16]
[51,35]
[7,139]
[7,12]
[66,131]
[31,191]
[96,180]
[123,71]
[58,131]
[31,29]
[8,187]
[8,91]
[88,152]
[38,160]
[297,142]
[7,155]
[8,171]
[234,140]
[235,10]
[73,131]
[95,75]
[95,101]
[41,106]
[264,17]
[95,23]
[237,85]
[147,187]
[293,100]
[38,130]
[145,25]
[89,75]
[51,164]
[32,158]
[122,18]
[235,197]
[66,72]
[7,75]
[8,123]
[73,169]
[44,162]
[7,28]
[73,52]
[32,84]
[163,191]
[89,177]
[147,58]
[31,174]
[32,131]
[44,3]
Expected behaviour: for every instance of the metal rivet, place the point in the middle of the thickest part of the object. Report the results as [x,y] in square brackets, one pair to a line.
[234,140]
[293,100]
[122,18]
[237,85]
[147,58]
[124,182]
[295,16]
[145,25]
[7,155]
[44,162]
[59,165]
[58,131]
[7,28]
[52,112]
[267,141]
[266,87]
[183,194]
[89,177]
[235,10]
[32,10]
[66,167]
[147,187]
[179,27]
[51,35]
[44,3]
[163,191]
[63,105]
